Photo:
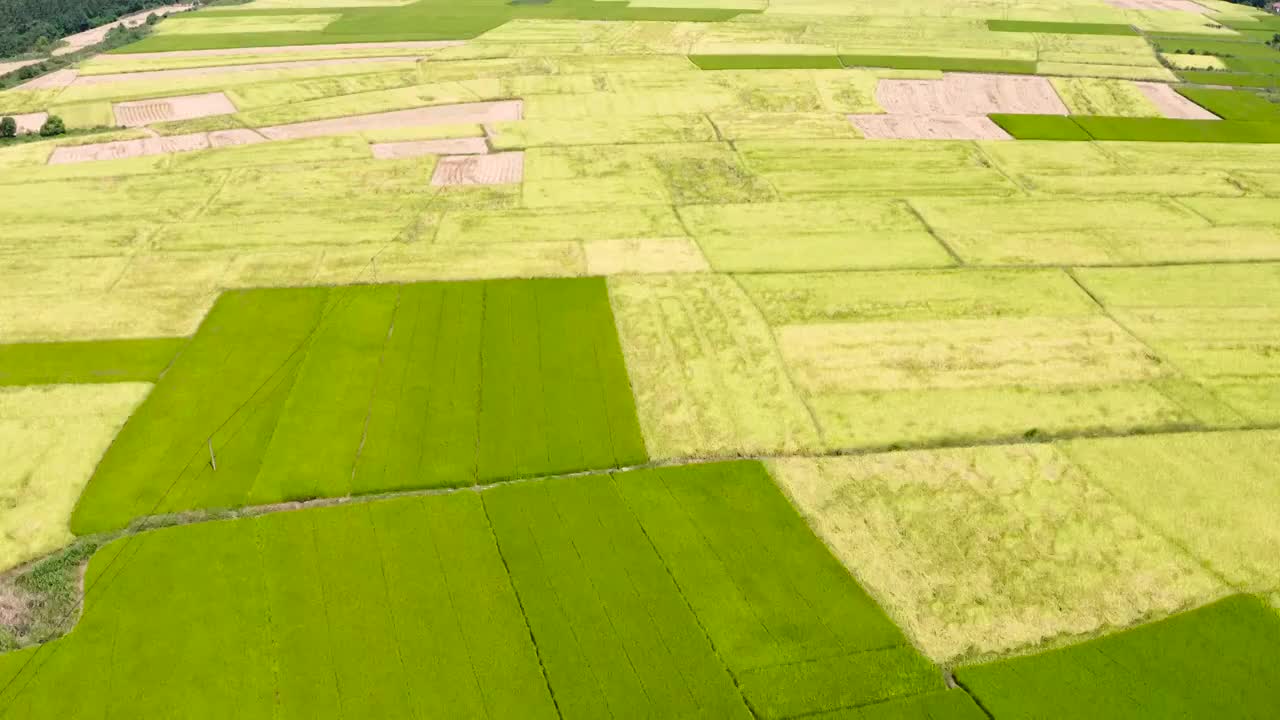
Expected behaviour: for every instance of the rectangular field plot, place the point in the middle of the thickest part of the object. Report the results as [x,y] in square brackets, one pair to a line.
[331,392]
[51,437]
[680,592]
[1212,493]
[398,609]
[1217,661]
[991,549]
[1219,324]
[943,357]
[87,362]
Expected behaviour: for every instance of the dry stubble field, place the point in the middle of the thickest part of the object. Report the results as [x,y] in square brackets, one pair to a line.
[683,358]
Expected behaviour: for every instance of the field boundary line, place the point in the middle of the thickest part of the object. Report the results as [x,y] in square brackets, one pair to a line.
[688,605]
[524,615]
[915,212]
[377,384]
[1178,369]
[777,353]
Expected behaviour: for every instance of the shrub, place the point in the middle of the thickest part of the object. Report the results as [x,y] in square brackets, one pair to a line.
[52,126]
[8,127]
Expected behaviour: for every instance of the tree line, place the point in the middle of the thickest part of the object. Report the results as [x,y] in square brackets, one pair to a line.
[36,25]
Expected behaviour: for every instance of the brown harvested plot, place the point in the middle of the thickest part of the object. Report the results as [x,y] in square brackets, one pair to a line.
[122,149]
[970,94]
[53,81]
[184,107]
[30,122]
[418,148]
[911,127]
[460,114]
[1171,104]
[289,49]
[496,169]
[1183,5]
[160,75]
[8,67]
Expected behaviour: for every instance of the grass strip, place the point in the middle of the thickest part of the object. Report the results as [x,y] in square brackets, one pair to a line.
[1233,79]
[766,62]
[950,64]
[1232,104]
[1169,130]
[87,362]
[1217,661]
[1060,28]
[1040,127]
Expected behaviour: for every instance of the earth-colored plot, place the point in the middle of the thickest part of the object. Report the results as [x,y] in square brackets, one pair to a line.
[51,438]
[483,112]
[55,80]
[1171,104]
[124,149]
[8,67]
[821,235]
[994,549]
[30,122]
[1213,494]
[496,169]
[705,371]
[937,127]
[188,107]
[969,94]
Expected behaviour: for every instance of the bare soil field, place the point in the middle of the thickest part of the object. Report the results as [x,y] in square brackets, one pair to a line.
[30,122]
[417,148]
[153,75]
[8,67]
[123,149]
[184,107]
[915,127]
[461,114]
[55,80]
[1171,104]
[970,94]
[496,169]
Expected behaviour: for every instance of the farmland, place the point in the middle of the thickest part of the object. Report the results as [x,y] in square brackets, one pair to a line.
[665,358]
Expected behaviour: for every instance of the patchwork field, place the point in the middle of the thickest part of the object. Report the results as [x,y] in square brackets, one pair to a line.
[664,358]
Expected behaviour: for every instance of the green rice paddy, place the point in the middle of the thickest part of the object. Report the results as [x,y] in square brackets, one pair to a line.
[774,359]
[302,394]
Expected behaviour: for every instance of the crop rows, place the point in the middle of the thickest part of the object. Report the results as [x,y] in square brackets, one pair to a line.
[324,393]
[689,592]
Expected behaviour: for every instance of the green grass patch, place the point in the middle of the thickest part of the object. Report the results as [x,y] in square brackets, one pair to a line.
[1169,130]
[1232,104]
[1211,45]
[1210,77]
[765,62]
[1218,661]
[332,392]
[950,64]
[1254,65]
[1040,127]
[87,362]
[1060,28]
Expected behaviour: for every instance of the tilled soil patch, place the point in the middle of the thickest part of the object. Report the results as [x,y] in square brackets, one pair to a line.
[496,169]
[184,107]
[915,127]
[1171,104]
[418,148]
